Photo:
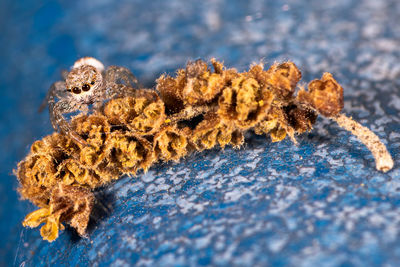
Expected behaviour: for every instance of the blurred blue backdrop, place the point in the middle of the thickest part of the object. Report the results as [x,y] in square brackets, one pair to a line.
[320,203]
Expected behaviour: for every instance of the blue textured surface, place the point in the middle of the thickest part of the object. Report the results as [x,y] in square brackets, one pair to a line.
[321,203]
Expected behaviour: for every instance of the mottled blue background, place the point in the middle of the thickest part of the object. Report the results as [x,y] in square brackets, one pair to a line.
[321,203]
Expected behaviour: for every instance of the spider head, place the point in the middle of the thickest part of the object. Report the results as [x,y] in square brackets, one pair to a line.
[84,81]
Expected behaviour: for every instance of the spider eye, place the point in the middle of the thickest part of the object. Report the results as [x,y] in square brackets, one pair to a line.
[92,83]
[76,90]
[86,87]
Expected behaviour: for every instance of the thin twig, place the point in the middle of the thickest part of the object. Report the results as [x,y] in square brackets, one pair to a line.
[189,113]
[383,159]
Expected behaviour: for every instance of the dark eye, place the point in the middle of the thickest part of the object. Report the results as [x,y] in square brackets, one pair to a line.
[86,87]
[92,83]
[76,90]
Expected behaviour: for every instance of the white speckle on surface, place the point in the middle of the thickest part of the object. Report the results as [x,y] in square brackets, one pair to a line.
[148,177]
[129,187]
[286,196]
[394,135]
[212,18]
[203,242]
[157,220]
[376,220]
[285,7]
[237,193]
[308,171]
[185,205]
[119,263]
[371,30]
[225,257]
[145,262]
[276,244]
[253,163]
[130,241]
[141,219]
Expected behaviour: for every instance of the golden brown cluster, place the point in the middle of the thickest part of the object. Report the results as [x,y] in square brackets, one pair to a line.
[198,109]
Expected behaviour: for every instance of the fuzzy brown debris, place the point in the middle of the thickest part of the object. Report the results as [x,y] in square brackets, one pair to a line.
[245,102]
[199,109]
[212,131]
[283,78]
[171,143]
[197,84]
[324,95]
[129,152]
[143,115]
[67,203]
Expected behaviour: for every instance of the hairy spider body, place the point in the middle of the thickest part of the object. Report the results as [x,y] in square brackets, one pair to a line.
[87,83]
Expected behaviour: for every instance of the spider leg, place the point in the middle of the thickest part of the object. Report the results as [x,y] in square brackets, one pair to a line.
[64,74]
[54,91]
[119,90]
[59,122]
[120,82]
[98,105]
[117,74]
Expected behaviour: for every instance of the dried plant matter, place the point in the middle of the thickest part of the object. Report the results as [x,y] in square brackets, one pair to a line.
[130,130]
[383,160]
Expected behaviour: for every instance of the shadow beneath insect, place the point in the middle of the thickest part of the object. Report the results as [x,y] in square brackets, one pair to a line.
[102,208]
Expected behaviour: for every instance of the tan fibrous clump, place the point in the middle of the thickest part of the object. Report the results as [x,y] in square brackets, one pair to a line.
[324,95]
[129,152]
[245,102]
[67,203]
[171,143]
[201,108]
[197,84]
[212,132]
[283,79]
[143,115]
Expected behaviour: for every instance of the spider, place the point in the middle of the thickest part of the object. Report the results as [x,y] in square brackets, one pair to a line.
[87,83]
